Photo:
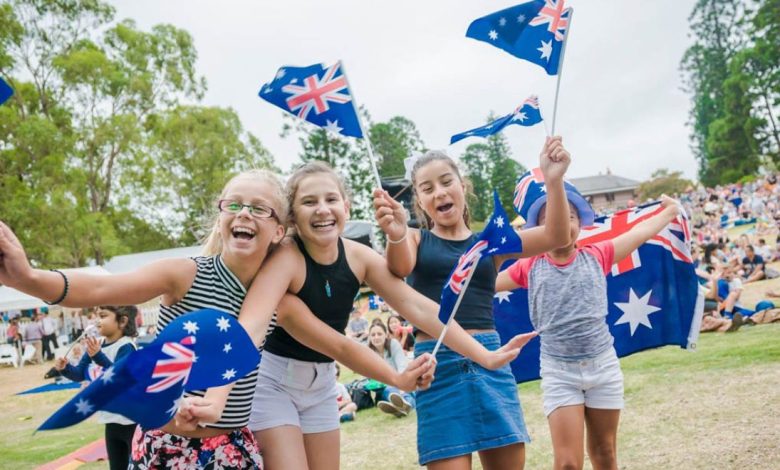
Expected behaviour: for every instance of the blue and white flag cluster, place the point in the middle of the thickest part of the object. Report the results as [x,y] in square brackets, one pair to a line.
[202,349]
[534,31]
[527,114]
[653,294]
[498,238]
[317,94]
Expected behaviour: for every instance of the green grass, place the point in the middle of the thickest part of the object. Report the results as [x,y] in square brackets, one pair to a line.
[713,408]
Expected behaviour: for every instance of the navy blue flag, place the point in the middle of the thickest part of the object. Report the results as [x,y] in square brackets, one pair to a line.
[5,91]
[317,94]
[202,349]
[498,238]
[527,114]
[653,294]
[533,31]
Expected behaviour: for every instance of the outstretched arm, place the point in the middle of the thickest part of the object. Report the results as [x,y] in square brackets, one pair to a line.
[85,290]
[645,230]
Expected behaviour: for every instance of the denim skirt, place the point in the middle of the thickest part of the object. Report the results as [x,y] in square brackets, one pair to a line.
[467,408]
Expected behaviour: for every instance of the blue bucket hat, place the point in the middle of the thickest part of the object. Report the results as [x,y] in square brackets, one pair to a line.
[531,195]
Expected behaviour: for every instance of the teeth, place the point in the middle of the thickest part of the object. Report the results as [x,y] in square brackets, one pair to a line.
[323,224]
[243,230]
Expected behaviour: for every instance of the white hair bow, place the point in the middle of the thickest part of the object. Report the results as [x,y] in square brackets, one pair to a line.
[409,164]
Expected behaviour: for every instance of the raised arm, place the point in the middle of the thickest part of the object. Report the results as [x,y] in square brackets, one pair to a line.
[86,290]
[643,231]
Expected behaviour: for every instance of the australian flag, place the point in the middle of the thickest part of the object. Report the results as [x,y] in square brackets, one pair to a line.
[534,31]
[317,94]
[527,114]
[653,294]
[498,238]
[5,91]
[202,349]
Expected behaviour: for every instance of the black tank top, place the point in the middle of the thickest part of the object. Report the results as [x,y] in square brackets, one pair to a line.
[329,291]
[436,257]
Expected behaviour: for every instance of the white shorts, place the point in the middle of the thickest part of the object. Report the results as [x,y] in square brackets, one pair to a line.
[595,382]
[297,393]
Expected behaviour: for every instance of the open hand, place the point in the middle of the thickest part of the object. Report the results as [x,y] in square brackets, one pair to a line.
[508,352]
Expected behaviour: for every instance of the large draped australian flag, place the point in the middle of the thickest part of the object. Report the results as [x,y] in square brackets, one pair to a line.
[317,94]
[653,294]
[534,31]
[202,349]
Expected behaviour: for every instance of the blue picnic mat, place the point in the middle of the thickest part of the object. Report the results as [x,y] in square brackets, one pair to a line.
[51,387]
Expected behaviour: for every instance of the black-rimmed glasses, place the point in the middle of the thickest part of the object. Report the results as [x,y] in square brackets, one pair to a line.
[258,211]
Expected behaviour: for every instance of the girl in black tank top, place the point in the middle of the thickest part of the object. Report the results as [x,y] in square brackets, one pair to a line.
[292,398]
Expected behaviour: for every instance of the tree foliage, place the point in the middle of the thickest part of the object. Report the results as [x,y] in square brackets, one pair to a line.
[663,181]
[94,140]
[394,141]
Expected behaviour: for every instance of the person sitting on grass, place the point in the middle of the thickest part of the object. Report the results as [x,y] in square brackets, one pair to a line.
[753,265]
[391,400]
[400,332]
[357,328]
[347,407]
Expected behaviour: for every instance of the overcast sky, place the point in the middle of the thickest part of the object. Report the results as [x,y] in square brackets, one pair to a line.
[620,107]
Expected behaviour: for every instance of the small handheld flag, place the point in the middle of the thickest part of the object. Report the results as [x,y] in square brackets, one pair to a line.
[202,349]
[527,114]
[498,238]
[317,94]
[5,91]
[534,31]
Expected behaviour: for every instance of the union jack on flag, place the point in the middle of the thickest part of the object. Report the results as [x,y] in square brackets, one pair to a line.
[174,369]
[526,115]
[498,238]
[534,31]
[552,14]
[317,94]
[651,303]
[675,237]
[521,189]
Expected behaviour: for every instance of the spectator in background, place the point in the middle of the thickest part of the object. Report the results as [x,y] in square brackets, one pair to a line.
[33,334]
[400,332]
[347,408]
[13,336]
[753,265]
[357,328]
[49,325]
[391,399]
[765,251]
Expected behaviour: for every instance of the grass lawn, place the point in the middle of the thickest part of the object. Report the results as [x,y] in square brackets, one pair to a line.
[715,408]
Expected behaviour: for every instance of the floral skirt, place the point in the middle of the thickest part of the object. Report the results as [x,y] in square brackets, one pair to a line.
[156,449]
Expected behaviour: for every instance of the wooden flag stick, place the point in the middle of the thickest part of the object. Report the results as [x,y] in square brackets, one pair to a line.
[371,157]
[560,69]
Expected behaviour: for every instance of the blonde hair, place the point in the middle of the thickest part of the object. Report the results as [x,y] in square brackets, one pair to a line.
[425,220]
[212,244]
[308,169]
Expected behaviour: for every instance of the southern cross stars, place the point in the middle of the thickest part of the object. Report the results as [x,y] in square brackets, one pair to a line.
[223,324]
[636,311]
[190,327]
[546,50]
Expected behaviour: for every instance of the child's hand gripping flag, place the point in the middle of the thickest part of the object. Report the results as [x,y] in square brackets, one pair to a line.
[317,94]
[527,114]
[202,349]
[498,238]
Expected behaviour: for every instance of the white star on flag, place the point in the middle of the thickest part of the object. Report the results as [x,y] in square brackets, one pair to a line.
[499,221]
[227,348]
[268,90]
[108,375]
[502,21]
[493,34]
[492,250]
[636,311]
[223,324]
[229,374]
[520,116]
[503,240]
[280,74]
[190,327]
[503,296]
[521,18]
[546,50]
[83,407]
[333,126]
[176,404]
[293,81]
